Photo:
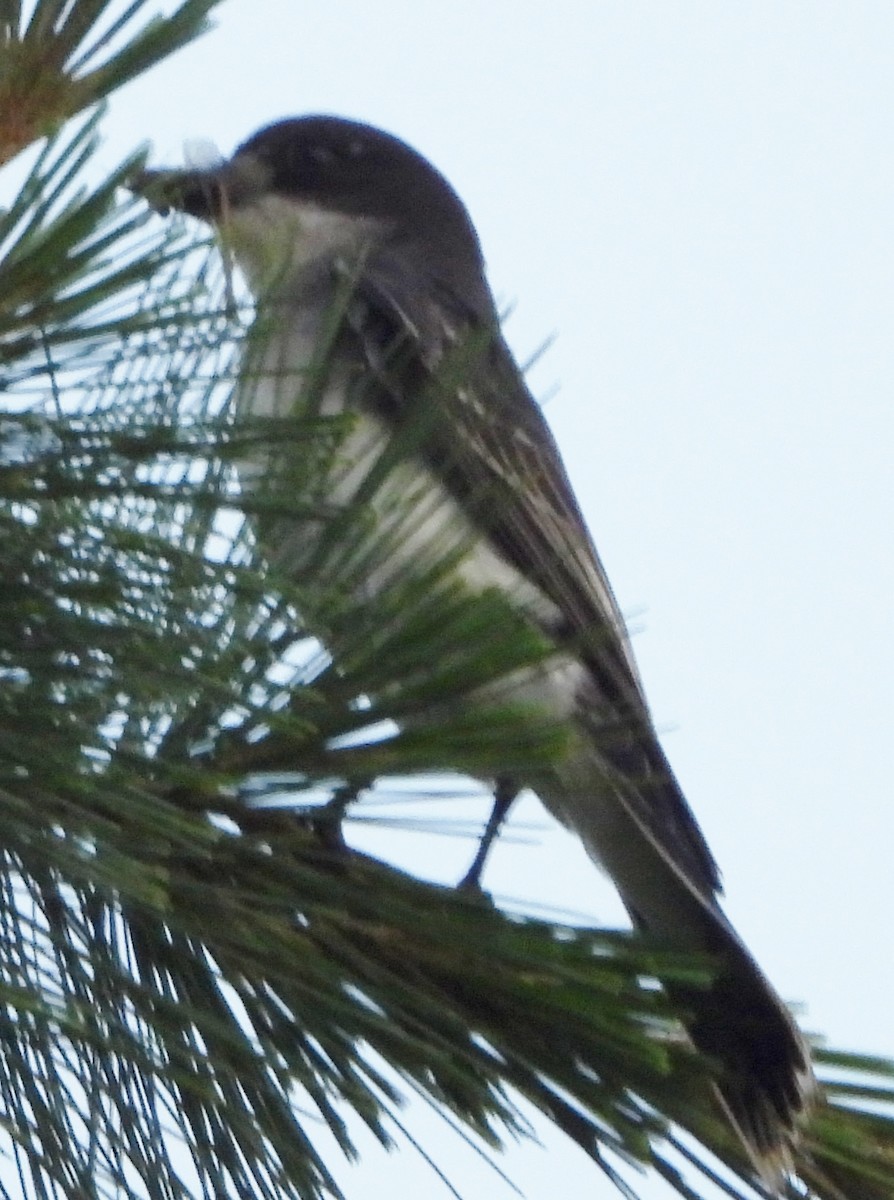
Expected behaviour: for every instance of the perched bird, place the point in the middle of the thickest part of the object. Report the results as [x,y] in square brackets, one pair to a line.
[303,205]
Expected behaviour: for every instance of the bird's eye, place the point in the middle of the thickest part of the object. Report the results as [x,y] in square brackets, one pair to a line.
[322,154]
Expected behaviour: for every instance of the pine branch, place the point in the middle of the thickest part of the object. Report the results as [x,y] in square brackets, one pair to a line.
[63,58]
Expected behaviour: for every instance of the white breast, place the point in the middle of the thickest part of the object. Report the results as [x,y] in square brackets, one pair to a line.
[276,241]
[291,250]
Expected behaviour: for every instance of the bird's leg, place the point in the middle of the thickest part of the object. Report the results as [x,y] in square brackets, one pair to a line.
[327,820]
[504,794]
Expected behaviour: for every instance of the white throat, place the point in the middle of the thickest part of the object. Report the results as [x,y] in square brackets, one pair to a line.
[276,240]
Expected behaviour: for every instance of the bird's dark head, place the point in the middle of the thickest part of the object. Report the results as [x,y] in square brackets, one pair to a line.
[324,178]
[348,167]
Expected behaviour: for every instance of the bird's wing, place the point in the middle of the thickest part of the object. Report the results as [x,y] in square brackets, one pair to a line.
[489,443]
[492,448]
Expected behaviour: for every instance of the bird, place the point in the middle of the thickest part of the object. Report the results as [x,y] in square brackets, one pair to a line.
[308,202]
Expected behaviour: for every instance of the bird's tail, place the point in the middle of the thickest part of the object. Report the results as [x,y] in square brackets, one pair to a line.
[765,1080]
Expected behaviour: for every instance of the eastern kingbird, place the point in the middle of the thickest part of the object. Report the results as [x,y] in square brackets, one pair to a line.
[301,202]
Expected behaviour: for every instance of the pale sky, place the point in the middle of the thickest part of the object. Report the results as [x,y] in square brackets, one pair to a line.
[697,199]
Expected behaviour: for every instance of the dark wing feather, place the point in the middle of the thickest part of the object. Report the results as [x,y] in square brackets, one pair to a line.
[492,448]
[489,443]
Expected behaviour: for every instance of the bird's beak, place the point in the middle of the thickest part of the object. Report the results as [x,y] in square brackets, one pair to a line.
[207,193]
[198,193]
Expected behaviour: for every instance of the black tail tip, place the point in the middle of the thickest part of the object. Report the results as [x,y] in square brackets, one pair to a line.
[766,1082]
